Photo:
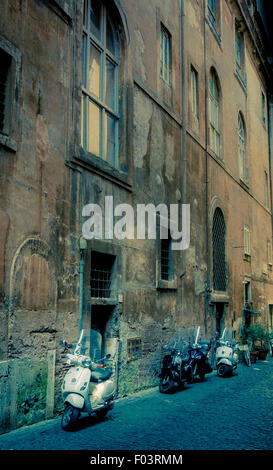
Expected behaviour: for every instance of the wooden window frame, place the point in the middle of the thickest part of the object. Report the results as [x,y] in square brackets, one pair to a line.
[165,54]
[89,97]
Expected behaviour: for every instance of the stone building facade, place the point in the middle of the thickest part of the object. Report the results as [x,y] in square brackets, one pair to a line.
[160,102]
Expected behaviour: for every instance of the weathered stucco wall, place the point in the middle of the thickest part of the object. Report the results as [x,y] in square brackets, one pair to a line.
[47,178]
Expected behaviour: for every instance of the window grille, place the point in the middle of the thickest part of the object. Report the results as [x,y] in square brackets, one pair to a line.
[166,259]
[5,61]
[134,349]
[219,251]
[101,275]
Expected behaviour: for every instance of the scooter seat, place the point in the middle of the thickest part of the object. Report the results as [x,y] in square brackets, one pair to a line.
[99,374]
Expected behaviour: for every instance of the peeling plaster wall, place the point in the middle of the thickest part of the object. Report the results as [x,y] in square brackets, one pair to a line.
[46,179]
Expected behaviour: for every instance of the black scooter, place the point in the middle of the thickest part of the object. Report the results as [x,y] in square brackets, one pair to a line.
[175,370]
[198,359]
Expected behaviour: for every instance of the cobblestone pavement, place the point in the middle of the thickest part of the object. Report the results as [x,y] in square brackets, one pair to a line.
[220,413]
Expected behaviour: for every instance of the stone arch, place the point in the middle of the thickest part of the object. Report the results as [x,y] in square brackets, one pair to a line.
[32,277]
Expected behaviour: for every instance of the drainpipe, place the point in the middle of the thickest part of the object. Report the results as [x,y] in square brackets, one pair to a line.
[183,129]
[269,123]
[207,284]
[83,249]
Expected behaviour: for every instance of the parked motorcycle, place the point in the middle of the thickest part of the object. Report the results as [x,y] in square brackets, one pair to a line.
[175,370]
[88,386]
[271,345]
[226,354]
[198,352]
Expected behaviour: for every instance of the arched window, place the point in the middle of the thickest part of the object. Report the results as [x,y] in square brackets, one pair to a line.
[100,83]
[219,250]
[242,148]
[214,106]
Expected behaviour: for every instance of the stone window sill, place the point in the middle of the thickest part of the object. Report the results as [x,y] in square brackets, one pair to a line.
[98,165]
[8,142]
[166,285]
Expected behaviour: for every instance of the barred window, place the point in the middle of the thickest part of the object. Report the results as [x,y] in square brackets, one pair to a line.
[166,259]
[134,349]
[100,83]
[101,275]
[219,250]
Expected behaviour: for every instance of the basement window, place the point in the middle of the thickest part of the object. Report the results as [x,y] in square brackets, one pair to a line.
[101,275]
[134,349]
[166,259]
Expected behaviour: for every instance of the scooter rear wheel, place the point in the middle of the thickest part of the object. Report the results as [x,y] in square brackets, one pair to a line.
[166,384]
[222,370]
[102,413]
[70,416]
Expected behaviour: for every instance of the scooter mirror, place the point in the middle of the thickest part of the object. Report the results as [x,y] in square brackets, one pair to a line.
[63,343]
[108,356]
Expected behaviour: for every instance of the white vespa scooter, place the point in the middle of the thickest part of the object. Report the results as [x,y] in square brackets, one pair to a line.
[226,354]
[89,385]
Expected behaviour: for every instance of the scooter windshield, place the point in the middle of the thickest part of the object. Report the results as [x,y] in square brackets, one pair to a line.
[194,334]
[227,335]
[178,341]
[88,344]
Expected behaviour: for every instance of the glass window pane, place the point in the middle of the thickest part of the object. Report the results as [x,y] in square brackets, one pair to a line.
[110,139]
[110,41]
[85,13]
[110,84]
[83,121]
[84,66]
[94,128]
[95,15]
[94,74]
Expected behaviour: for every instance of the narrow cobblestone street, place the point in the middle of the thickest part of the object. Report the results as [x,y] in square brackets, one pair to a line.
[225,414]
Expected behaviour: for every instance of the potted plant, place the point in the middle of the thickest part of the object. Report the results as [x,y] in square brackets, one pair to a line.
[260,337]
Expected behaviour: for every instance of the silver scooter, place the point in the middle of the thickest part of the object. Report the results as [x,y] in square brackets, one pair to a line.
[226,354]
[89,386]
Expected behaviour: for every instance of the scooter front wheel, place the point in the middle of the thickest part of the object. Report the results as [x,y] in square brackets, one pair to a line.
[70,416]
[202,376]
[166,384]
